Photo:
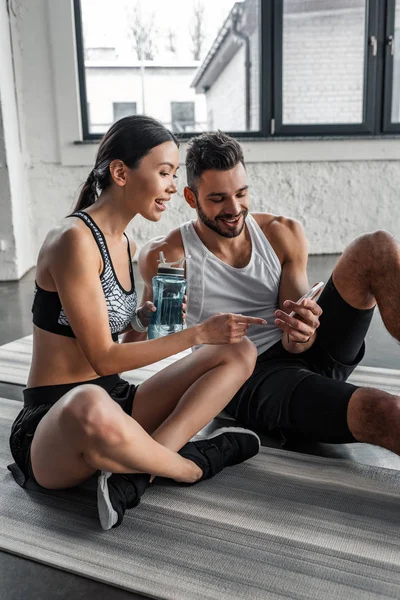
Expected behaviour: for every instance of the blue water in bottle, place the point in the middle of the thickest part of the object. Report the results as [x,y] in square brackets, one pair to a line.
[169,287]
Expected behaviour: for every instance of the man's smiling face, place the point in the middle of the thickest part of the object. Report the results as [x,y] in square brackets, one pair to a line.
[222,200]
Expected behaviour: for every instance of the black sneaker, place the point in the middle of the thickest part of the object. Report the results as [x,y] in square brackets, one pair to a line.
[115,493]
[224,447]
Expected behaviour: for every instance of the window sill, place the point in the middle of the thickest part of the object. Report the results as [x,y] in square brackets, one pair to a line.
[258,150]
[320,138]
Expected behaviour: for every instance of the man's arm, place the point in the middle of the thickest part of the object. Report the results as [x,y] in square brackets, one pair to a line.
[289,242]
[172,247]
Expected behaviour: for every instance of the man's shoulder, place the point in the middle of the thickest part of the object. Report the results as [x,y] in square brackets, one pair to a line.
[285,235]
[277,225]
[170,244]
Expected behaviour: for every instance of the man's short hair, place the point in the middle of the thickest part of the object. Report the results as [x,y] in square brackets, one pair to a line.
[211,150]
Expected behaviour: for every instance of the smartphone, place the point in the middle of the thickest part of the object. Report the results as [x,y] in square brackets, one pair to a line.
[313,293]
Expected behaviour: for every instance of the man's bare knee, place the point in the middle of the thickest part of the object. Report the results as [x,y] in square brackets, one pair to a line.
[357,269]
[374,417]
[382,241]
[372,250]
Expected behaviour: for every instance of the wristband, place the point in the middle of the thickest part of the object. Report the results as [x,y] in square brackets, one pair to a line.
[137,324]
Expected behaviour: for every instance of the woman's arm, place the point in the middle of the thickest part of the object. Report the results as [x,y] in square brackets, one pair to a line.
[144,315]
[75,271]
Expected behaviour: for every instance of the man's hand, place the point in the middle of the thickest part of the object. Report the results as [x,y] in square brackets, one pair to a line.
[144,313]
[302,326]
[184,309]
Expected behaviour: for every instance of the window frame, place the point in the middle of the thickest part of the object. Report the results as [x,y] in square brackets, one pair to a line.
[80,57]
[378,80]
[387,125]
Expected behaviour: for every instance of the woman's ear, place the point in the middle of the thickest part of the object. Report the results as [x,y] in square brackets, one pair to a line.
[118,172]
[190,197]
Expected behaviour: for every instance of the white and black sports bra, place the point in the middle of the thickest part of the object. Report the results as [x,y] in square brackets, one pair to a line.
[48,314]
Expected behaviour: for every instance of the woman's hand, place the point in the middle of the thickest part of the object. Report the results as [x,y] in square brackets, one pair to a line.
[144,313]
[226,328]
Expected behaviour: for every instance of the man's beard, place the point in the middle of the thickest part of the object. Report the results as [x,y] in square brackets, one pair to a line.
[214,226]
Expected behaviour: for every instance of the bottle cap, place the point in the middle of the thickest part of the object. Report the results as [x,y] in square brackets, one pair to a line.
[168,268]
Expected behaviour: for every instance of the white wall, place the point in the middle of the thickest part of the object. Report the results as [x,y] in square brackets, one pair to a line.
[334,200]
[228,90]
[16,254]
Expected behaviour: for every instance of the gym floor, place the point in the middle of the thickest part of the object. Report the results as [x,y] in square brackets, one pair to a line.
[23,579]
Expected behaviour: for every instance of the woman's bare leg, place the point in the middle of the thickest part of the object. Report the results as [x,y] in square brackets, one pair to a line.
[181,399]
[86,431]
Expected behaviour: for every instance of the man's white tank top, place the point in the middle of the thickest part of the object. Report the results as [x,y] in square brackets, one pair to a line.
[214,286]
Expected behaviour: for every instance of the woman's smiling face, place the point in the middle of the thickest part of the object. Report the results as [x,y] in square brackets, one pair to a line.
[152,183]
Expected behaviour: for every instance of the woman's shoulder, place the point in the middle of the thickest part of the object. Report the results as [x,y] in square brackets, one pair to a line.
[66,241]
[68,233]
[69,238]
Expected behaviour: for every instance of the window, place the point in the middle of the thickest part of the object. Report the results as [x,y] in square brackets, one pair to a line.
[182,116]
[202,53]
[123,109]
[323,56]
[255,68]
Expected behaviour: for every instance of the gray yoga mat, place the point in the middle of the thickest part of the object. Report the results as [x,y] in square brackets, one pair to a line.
[15,359]
[282,525]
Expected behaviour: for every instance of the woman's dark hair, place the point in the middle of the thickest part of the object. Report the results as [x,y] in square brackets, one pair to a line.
[213,150]
[129,140]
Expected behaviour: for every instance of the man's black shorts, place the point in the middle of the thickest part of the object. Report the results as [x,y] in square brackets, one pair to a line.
[305,396]
[39,400]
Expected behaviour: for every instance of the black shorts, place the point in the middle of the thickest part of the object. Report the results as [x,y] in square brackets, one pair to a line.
[305,396]
[39,400]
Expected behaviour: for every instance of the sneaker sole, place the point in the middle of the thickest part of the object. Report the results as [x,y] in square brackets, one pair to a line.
[222,430]
[107,515]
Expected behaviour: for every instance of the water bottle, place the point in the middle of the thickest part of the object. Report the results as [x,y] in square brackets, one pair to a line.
[169,287]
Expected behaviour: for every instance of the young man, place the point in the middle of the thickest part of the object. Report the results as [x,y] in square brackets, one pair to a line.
[255,264]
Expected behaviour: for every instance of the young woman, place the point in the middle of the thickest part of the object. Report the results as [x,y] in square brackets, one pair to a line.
[79,416]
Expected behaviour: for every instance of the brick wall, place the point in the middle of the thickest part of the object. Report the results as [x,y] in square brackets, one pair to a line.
[323,67]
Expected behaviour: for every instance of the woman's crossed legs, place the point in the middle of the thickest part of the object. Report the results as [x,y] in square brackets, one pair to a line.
[86,430]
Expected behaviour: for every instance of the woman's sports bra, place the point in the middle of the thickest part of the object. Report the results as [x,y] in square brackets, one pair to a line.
[48,314]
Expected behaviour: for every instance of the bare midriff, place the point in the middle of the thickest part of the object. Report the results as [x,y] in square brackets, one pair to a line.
[57,359]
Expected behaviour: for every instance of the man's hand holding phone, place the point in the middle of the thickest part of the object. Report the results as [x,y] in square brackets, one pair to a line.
[301,319]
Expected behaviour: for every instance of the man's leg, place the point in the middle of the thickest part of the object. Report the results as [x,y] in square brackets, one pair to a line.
[368,273]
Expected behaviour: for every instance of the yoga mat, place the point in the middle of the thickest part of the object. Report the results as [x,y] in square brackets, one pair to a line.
[282,525]
[15,359]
